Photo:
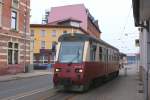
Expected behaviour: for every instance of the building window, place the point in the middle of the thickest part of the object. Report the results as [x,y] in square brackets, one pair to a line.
[65,32]
[15,3]
[14,20]
[1,13]
[43,59]
[54,33]
[54,43]
[10,53]
[75,24]
[32,43]
[42,44]
[100,53]
[24,24]
[13,53]
[16,53]
[32,32]
[74,31]
[43,32]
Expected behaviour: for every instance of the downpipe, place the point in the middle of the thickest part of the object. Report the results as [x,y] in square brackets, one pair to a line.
[146,96]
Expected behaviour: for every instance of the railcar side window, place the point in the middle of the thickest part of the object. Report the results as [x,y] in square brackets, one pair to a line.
[92,52]
[100,53]
[105,54]
[109,56]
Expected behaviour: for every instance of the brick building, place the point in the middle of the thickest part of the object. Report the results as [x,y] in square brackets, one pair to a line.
[14,36]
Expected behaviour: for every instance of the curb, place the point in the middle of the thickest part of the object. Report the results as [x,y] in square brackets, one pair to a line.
[23,77]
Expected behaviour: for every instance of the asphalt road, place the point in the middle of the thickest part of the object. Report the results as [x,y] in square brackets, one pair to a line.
[124,87]
[18,89]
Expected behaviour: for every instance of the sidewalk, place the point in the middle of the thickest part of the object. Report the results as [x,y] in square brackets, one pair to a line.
[35,73]
[124,87]
[131,87]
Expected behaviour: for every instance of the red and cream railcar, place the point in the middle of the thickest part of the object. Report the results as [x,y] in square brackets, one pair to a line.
[80,59]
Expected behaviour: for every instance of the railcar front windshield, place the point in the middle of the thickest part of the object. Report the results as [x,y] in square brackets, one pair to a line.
[71,52]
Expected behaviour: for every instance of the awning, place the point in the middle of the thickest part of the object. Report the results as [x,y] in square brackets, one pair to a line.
[136,11]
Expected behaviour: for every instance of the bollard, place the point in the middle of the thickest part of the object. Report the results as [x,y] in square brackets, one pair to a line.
[49,67]
[125,71]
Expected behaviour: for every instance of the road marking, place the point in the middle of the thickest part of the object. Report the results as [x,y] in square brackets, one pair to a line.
[49,95]
[71,97]
[26,94]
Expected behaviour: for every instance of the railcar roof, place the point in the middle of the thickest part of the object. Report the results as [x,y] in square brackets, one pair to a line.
[82,37]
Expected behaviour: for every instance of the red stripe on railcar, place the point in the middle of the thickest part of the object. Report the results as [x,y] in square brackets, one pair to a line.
[91,70]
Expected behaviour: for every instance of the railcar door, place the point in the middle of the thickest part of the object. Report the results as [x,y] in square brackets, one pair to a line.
[106,62]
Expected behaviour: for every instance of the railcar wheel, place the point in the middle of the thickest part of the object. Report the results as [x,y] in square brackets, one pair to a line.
[86,87]
[117,73]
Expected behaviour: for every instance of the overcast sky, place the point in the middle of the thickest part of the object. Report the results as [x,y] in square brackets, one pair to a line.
[115,19]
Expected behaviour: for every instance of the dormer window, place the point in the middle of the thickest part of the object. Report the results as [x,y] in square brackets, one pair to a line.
[15,4]
[75,24]
[65,32]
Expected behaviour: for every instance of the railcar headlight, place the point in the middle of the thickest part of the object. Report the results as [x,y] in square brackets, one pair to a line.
[78,70]
[57,70]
